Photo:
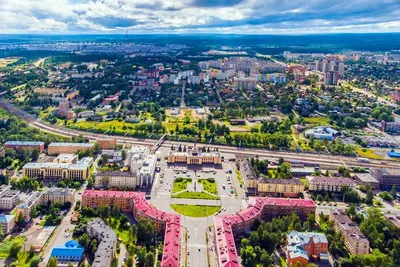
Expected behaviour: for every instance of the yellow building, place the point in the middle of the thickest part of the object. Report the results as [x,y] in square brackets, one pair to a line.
[249,178]
[286,187]
[195,156]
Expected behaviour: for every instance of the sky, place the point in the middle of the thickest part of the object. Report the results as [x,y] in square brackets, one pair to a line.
[199,16]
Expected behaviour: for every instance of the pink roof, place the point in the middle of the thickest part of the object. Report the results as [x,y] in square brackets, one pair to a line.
[309,203]
[171,252]
[104,193]
[225,243]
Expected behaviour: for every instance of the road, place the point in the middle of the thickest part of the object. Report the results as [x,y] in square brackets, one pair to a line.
[40,62]
[328,160]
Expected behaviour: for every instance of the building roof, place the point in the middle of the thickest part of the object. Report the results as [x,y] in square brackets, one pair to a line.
[394,219]
[71,144]
[329,180]
[70,248]
[6,218]
[366,178]
[347,225]
[280,181]
[59,191]
[247,170]
[23,143]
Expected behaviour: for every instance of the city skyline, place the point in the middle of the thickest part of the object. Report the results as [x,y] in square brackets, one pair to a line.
[198,16]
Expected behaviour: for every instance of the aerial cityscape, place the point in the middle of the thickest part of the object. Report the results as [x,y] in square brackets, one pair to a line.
[199,134]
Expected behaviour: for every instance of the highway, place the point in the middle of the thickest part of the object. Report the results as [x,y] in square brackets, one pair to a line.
[324,159]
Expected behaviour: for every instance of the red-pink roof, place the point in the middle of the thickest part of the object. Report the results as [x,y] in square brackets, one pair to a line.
[288,202]
[225,243]
[104,193]
[171,257]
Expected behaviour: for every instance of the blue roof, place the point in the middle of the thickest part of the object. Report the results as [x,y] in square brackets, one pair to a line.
[6,218]
[394,154]
[71,248]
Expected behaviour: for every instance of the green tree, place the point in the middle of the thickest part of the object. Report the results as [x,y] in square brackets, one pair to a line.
[149,259]
[84,240]
[14,249]
[369,198]
[393,192]
[52,262]
[35,261]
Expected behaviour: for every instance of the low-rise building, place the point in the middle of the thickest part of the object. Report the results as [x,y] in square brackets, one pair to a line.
[355,240]
[322,132]
[8,198]
[280,187]
[54,170]
[18,145]
[7,223]
[393,218]
[301,246]
[386,177]
[67,148]
[107,240]
[116,180]
[329,184]
[70,252]
[195,156]
[56,194]
[367,179]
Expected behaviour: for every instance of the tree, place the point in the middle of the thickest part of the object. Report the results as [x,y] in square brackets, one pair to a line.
[84,240]
[35,261]
[149,259]
[20,219]
[393,192]
[369,198]
[52,262]
[14,249]
[147,231]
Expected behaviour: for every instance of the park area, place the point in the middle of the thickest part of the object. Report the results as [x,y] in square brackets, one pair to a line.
[180,189]
[11,250]
[4,62]
[195,210]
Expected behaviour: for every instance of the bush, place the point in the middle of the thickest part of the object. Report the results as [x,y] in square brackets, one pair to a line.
[179,179]
[211,180]
[189,179]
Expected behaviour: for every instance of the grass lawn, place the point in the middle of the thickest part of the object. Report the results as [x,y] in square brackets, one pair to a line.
[210,187]
[123,234]
[317,121]
[24,258]
[180,185]
[367,153]
[195,195]
[195,210]
[8,60]
[239,176]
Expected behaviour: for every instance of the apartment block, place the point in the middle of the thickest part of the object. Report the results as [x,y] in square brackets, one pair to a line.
[280,187]
[355,240]
[8,198]
[116,180]
[55,194]
[55,170]
[7,223]
[109,143]
[107,242]
[18,145]
[329,184]
[249,178]
[386,177]
[67,148]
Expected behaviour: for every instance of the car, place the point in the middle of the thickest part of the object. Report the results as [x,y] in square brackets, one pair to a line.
[188,253]
[199,249]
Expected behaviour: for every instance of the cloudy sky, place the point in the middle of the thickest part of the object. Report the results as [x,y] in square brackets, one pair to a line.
[199,16]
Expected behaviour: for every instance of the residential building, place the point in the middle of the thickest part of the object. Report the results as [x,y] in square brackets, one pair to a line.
[107,241]
[329,184]
[249,178]
[195,156]
[393,218]
[331,78]
[71,251]
[301,246]
[116,180]
[18,145]
[54,170]
[355,240]
[367,179]
[390,127]
[386,177]
[136,202]
[264,208]
[32,201]
[280,187]
[67,148]
[7,223]
[56,194]
[8,198]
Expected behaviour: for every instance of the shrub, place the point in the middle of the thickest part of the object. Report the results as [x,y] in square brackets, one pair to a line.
[211,180]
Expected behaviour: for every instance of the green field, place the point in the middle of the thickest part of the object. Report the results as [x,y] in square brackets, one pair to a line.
[8,60]
[196,195]
[317,121]
[367,153]
[180,185]
[208,186]
[195,210]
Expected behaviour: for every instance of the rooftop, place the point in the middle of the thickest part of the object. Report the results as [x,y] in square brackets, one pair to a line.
[70,248]
[23,143]
[71,144]
[329,180]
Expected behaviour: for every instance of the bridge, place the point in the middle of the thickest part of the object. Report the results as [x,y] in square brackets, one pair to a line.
[159,143]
